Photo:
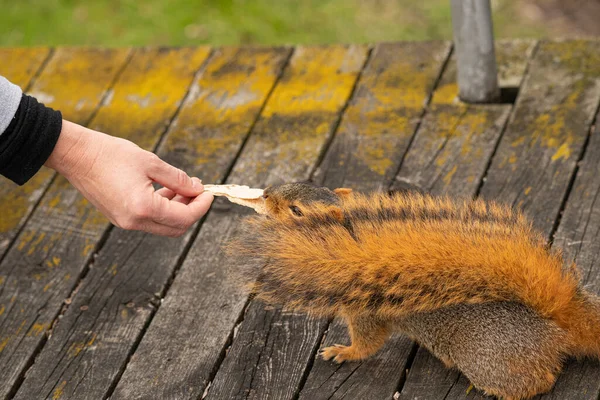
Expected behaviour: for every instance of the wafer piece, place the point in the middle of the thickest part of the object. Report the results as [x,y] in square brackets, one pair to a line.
[239,194]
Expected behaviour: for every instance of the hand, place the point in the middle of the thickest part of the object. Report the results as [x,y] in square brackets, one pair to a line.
[116,176]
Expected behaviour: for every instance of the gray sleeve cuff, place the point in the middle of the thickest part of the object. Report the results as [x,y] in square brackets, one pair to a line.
[10,97]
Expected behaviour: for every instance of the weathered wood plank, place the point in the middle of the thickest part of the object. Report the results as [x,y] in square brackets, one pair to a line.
[89,347]
[268,356]
[357,380]
[190,331]
[54,247]
[547,130]
[19,65]
[77,80]
[579,236]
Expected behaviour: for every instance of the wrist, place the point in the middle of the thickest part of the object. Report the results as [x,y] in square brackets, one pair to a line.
[69,151]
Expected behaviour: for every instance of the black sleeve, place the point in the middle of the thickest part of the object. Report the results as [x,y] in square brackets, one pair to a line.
[29,140]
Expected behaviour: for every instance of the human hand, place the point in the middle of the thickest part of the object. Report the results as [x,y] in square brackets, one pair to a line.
[116,176]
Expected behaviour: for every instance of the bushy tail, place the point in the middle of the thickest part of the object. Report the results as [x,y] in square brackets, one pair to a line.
[581,320]
[402,255]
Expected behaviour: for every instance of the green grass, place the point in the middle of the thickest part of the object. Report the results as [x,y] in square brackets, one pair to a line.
[225,22]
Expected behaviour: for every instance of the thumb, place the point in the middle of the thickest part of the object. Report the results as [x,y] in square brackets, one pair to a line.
[174,179]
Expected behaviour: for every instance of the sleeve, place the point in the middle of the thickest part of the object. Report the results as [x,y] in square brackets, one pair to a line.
[10,97]
[30,134]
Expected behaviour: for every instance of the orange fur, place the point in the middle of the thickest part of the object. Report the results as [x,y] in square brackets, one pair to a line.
[392,256]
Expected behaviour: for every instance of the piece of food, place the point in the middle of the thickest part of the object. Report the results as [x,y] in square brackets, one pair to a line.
[239,194]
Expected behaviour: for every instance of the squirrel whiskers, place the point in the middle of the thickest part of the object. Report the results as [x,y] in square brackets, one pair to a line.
[421,264]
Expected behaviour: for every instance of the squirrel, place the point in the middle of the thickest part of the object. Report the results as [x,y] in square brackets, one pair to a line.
[470,280]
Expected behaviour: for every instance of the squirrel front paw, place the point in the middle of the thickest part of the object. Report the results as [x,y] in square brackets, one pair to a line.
[339,353]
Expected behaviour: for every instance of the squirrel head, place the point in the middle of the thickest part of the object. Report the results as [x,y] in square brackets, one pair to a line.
[289,199]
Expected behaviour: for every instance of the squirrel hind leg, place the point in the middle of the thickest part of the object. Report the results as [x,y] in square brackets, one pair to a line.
[504,348]
[367,334]
[509,351]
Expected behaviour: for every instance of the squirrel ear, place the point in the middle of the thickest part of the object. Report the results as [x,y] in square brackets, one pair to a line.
[342,192]
[336,212]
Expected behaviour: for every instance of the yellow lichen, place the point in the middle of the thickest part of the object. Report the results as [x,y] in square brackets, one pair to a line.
[38,329]
[3,343]
[19,65]
[148,92]
[449,175]
[58,392]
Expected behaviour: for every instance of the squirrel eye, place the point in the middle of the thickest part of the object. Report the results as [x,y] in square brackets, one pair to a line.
[297,212]
[265,196]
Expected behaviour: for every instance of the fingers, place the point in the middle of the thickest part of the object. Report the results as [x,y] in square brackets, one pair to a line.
[169,215]
[179,214]
[166,193]
[169,194]
[173,178]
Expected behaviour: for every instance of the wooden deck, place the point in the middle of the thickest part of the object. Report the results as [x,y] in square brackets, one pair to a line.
[88,311]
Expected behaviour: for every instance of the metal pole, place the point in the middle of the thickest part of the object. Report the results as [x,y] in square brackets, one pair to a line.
[474,45]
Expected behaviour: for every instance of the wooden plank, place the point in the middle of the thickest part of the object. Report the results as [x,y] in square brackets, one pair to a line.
[268,355]
[553,113]
[89,347]
[19,65]
[73,81]
[380,376]
[382,117]
[186,339]
[579,236]
[56,244]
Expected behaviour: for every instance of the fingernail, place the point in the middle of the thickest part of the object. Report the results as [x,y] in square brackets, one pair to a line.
[197,183]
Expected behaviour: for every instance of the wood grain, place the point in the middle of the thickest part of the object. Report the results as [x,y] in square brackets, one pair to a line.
[56,244]
[188,336]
